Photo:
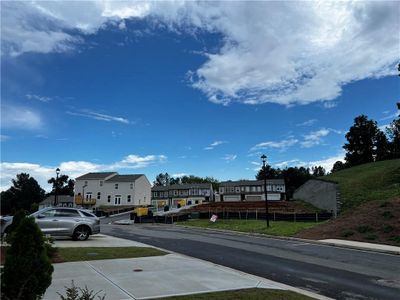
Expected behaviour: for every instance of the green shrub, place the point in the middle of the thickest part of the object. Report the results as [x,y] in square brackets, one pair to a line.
[371,237]
[17,218]
[386,204]
[364,229]
[388,228]
[395,238]
[387,215]
[77,293]
[27,269]
[347,233]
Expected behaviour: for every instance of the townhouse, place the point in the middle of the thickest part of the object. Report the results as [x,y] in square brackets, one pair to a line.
[181,194]
[111,189]
[251,190]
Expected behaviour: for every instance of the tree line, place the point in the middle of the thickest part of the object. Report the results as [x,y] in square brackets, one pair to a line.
[25,192]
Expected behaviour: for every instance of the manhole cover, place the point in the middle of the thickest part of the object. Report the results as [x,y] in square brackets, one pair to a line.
[137,270]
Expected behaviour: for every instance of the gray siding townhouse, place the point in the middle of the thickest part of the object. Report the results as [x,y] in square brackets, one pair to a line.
[183,194]
[112,189]
[251,190]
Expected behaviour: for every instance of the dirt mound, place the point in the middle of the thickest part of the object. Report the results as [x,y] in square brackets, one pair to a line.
[373,222]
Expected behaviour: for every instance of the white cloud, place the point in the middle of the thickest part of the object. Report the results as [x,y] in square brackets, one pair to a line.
[307,123]
[314,138]
[98,116]
[4,137]
[326,163]
[229,157]
[72,168]
[330,104]
[214,144]
[179,175]
[20,117]
[290,52]
[282,145]
[391,116]
[38,98]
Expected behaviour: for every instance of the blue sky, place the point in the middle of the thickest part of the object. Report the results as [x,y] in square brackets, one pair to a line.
[189,88]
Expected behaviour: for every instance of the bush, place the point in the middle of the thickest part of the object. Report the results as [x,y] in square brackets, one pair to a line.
[77,293]
[27,268]
[387,215]
[18,217]
[388,228]
[364,229]
[347,233]
[371,237]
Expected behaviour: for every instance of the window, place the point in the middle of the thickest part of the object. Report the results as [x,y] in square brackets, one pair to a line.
[131,186]
[253,188]
[85,182]
[88,196]
[242,188]
[259,188]
[108,198]
[101,183]
[221,190]
[175,192]
[49,213]
[247,189]
[116,186]
[67,213]
[117,200]
[86,214]
[129,198]
[237,189]
[98,196]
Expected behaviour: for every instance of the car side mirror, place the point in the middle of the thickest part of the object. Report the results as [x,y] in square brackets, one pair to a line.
[40,216]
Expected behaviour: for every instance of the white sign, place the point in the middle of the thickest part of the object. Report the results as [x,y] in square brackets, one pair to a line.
[213,218]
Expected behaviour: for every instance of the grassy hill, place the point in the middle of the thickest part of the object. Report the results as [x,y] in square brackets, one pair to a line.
[373,181]
[370,196]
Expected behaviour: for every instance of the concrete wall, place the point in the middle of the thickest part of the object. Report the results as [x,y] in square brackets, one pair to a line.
[321,194]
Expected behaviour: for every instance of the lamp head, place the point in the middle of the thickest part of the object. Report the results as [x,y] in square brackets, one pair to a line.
[58,171]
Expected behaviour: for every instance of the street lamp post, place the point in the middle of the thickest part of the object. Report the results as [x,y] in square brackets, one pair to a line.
[264,158]
[83,194]
[56,188]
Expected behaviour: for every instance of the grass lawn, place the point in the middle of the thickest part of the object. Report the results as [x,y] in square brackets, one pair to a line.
[374,181]
[257,294]
[278,228]
[94,253]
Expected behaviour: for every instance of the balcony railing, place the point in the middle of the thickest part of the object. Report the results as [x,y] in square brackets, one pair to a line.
[78,201]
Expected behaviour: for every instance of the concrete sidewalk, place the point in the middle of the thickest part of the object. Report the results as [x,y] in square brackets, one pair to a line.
[363,246]
[150,277]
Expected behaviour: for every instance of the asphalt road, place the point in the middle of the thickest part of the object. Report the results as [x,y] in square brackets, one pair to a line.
[331,271]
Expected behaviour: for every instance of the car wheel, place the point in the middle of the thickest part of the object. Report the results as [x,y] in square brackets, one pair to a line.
[81,233]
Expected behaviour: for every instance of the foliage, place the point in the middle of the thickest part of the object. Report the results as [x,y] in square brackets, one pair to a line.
[337,166]
[318,171]
[164,179]
[63,185]
[268,172]
[393,131]
[77,293]
[361,140]
[18,217]
[27,268]
[22,194]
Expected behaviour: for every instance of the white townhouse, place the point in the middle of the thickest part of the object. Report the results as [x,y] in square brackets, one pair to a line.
[251,190]
[112,189]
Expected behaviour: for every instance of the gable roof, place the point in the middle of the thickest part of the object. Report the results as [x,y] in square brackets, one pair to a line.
[124,178]
[96,175]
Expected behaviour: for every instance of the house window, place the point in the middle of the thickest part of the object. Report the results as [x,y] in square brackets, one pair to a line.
[131,186]
[259,188]
[237,189]
[98,195]
[247,189]
[117,200]
[242,188]
[116,186]
[88,196]
[221,190]
[129,198]
[108,198]
[175,192]
[101,183]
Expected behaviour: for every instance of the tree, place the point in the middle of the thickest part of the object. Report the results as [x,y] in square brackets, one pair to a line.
[295,177]
[318,171]
[162,180]
[64,185]
[361,141]
[27,269]
[393,132]
[382,147]
[22,194]
[269,173]
[337,166]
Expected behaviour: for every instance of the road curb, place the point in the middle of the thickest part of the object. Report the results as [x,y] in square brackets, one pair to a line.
[317,242]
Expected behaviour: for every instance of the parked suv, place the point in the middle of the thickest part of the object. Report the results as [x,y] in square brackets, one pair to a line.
[62,221]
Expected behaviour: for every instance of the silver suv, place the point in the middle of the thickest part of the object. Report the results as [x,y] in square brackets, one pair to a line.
[63,221]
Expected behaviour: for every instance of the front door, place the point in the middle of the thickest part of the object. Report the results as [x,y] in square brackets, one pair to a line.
[117,200]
